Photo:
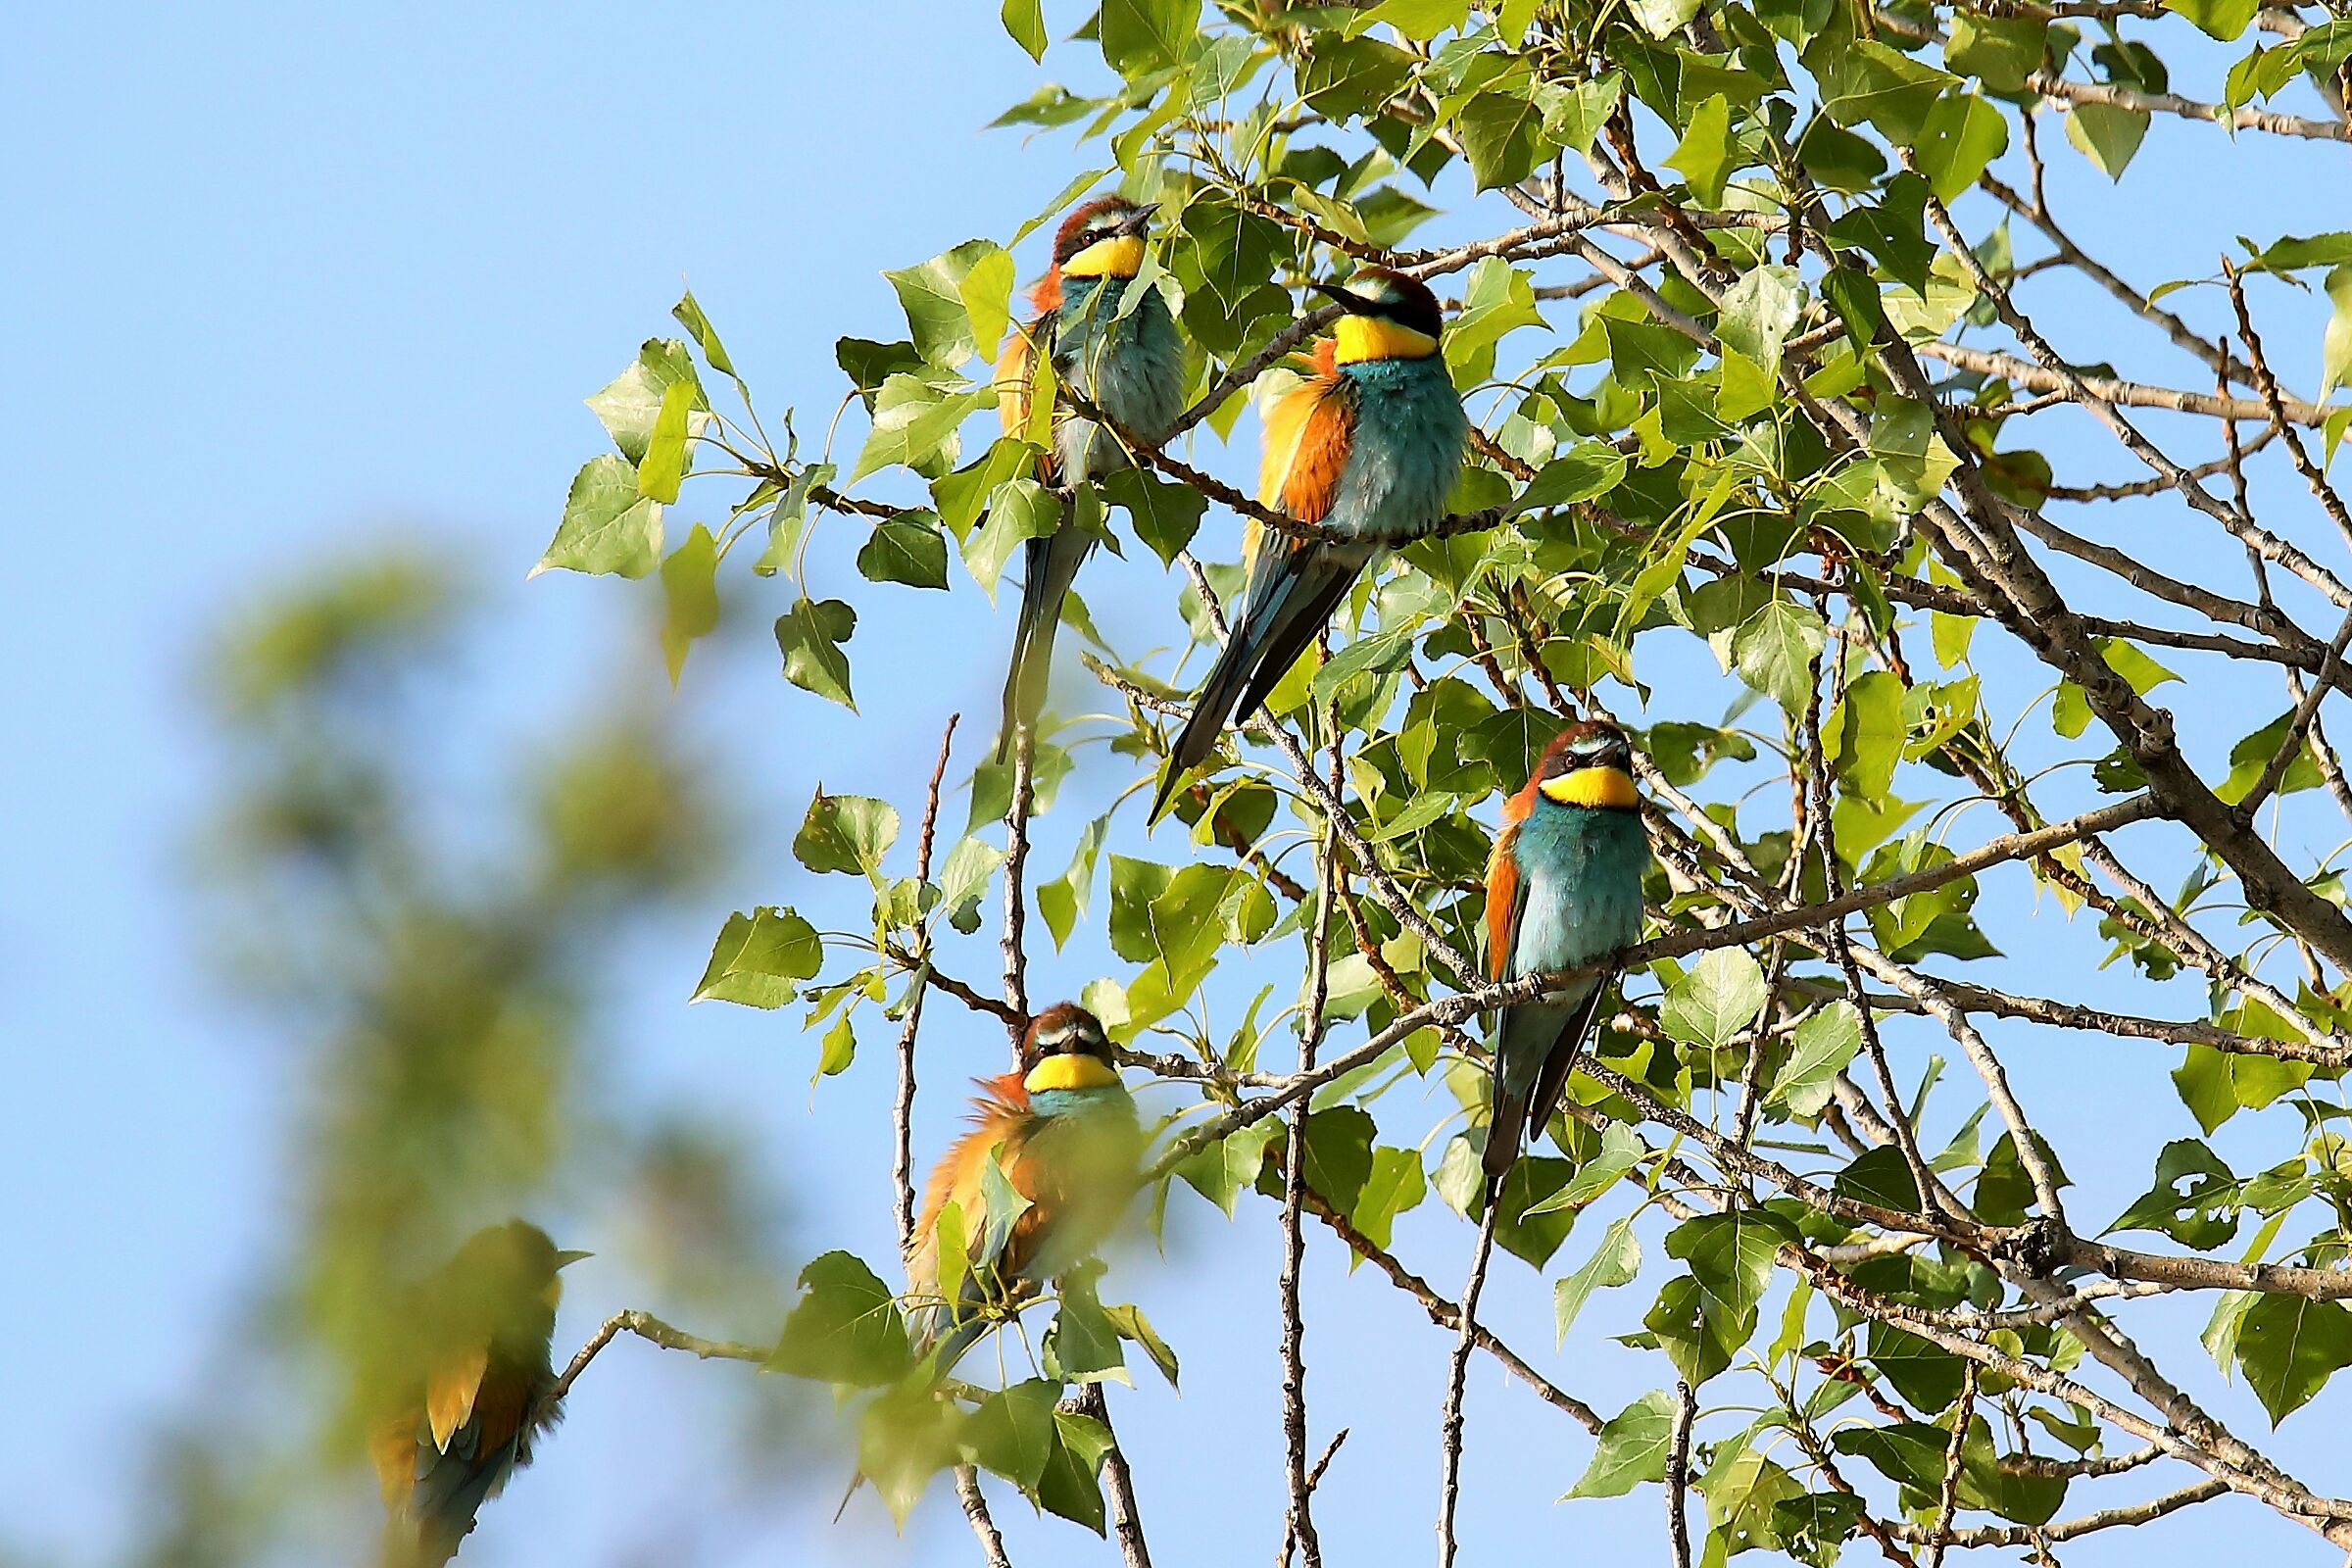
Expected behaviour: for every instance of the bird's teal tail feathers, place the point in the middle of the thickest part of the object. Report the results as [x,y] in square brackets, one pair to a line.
[1053,563]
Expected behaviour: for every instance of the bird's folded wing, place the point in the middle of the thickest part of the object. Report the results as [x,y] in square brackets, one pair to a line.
[1505,895]
[450,1392]
[1308,431]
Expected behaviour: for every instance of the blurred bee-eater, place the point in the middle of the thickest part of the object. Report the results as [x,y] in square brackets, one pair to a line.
[1368,444]
[472,1389]
[1123,354]
[1062,1136]
[1563,887]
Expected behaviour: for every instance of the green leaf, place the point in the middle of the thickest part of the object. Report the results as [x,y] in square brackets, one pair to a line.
[965,874]
[906,1436]
[1065,898]
[758,957]
[1394,1184]
[1420,20]
[1825,1043]
[1501,132]
[1709,152]
[1879,1176]
[1774,651]
[2290,1347]
[1631,1448]
[1758,312]
[1615,1261]
[689,312]
[1962,135]
[2253,753]
[839,1049]
[1023,509]
[915,425]
[846,1327]
[1011,1432]
[1865,733]
[1338,1161]
[1863,79]
[1715,999]
[1731,1253]
[2215,1085]
[986,289]
[1619,1151]
[846,833]
[1347,78]
[1135,1329]
[1999,51]
[932,296]
[2335,349]
[2226,19]
[2106,135]
[1581,471]
[1497,298]
[810,634]
[907,548]
[1083,1344]
[2200,1214]
[1573,116]
[1067,1487]
[664,463]
[2294,254]
[1026,21]
[1663,19]
[1145,35]
[963,495]
[607,527]
[1165,515]
[1230,1165]
[629,405]
[689,597]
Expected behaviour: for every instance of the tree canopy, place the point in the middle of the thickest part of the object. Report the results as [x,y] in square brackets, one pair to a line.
[1782,367]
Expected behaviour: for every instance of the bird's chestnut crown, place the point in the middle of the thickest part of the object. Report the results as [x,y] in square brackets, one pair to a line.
[1390,317]
[1588,763]
[1105,238]
[1065,1047]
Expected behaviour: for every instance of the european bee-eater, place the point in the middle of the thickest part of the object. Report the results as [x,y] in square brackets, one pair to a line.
[1064,1134]
[1368,444]
[1563,887]
[473,1389]
[1122,356]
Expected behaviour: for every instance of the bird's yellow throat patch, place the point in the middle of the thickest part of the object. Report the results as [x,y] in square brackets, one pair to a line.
[1121,255]
[1070,1072]
[1369,337]
[1592,786]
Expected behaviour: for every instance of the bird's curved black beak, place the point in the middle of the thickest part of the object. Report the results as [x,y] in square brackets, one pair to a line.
[1353,304]
[565,1259]
[1137,222]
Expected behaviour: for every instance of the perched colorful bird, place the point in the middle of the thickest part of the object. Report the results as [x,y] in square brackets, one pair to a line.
[1563,887]
[1127,361]
[473,1389]
[1062,1136]
[1369,444]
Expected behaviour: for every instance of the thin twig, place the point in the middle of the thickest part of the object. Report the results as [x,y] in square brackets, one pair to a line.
[1017,859]
[1678,1475]
[1949,1501]
[1119,1484]
[1458,1374]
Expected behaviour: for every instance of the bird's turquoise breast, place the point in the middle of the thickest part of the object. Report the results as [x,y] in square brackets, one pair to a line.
[1132,365]
[1406,451]
[1581,868]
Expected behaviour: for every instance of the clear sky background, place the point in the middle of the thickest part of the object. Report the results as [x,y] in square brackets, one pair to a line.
[283,282]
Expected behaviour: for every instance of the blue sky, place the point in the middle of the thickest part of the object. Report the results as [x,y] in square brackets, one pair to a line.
[295,280]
